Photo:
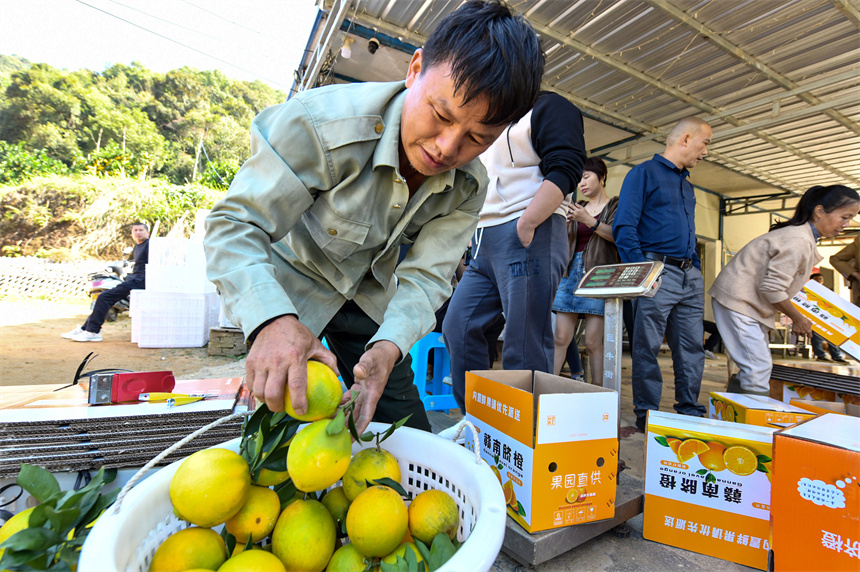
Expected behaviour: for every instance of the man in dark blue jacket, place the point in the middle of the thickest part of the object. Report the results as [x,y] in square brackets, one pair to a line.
[89,332]
[656,221]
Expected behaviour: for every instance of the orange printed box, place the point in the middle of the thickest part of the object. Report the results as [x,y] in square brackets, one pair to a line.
[816,497]
[755,410]
[552,442]
[836,319]
[707,487]
[822,407]
[792,391]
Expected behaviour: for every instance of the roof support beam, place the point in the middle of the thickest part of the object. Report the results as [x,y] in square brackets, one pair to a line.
[683,96]
[764,101]
[849,10]
[732,49]
[746,205]
[614,117]
[319,56]
[783,117]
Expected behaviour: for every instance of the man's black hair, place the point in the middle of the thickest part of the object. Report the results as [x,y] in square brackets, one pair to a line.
[138,223]
[493,52]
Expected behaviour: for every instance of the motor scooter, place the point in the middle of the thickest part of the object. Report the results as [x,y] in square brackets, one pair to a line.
[112,276]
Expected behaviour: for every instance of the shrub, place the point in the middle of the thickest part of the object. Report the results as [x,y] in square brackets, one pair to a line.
[219,175]
[17,164]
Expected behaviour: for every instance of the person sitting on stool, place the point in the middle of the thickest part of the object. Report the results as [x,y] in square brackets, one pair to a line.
[89,332]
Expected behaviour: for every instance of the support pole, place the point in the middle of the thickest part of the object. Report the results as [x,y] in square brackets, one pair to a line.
[612,321]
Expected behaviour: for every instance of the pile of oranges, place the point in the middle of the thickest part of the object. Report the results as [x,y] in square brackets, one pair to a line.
[329,510]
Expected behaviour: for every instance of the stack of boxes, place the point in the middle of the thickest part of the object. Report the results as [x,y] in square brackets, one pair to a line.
[179,305]
[760,475]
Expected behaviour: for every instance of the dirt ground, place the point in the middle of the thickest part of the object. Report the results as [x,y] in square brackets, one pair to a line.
[32,351]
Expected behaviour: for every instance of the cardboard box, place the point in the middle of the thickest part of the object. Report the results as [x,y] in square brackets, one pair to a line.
[792,391]
[552,442]
[716,502]
[823,407]
[816,497]
[755,410]
[836,319]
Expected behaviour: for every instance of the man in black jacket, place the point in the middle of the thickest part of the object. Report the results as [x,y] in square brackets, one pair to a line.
[89,332]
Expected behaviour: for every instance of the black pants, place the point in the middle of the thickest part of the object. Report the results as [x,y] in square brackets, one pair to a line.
[347,335]
[107,299]
[714,339]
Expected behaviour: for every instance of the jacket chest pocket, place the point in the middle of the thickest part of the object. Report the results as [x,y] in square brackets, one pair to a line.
[337,236]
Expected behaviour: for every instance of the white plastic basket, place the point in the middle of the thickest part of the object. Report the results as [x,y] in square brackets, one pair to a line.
[125,540]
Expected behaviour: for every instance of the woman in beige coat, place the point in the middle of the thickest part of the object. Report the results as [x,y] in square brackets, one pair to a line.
[762,278]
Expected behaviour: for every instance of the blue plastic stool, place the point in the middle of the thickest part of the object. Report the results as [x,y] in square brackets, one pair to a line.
[435,394]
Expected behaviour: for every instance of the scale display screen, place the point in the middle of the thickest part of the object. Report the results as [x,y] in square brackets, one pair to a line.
[619,280]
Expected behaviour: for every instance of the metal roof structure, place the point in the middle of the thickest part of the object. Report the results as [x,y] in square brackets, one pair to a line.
[778,80]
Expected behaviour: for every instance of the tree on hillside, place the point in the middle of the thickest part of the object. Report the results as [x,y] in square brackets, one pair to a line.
[41,111]
[175,124]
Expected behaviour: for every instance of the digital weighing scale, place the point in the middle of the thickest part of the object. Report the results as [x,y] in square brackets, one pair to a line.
[615,283]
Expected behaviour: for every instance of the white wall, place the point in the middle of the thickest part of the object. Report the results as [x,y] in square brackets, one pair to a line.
[707,215]
[614,177]
[738,230]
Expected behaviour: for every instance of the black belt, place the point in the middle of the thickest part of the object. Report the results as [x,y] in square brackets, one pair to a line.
[682,263]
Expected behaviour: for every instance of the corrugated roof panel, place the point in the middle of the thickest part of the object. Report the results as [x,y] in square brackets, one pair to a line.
[805,41]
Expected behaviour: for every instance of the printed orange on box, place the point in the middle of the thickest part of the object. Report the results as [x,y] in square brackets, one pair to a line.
[707,487]
[816,495]
[792,391]
[552,442]
[822,407]
[755,410]
[836,319]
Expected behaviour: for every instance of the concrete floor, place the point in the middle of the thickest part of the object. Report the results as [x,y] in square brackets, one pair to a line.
[634,553]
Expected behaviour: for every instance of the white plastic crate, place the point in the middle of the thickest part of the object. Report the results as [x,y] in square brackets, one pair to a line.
[166,251]
[173,319]
[170,278]
[126,539]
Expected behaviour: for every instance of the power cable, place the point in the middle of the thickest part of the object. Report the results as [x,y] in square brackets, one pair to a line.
[202,9]
[217,174]
[181,44]
[164,20]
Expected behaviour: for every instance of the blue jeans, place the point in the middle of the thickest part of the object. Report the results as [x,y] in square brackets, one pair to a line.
[676,311]
[818,348]
[506,277]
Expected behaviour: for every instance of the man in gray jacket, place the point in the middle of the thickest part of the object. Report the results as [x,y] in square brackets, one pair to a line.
[305,243]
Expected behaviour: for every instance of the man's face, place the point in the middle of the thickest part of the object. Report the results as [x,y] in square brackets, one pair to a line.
[697,146]
[437,131]
[139,233]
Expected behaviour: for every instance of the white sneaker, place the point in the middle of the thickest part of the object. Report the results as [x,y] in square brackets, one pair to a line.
[70,335]
[451,432]
[85,336]
[710,355]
